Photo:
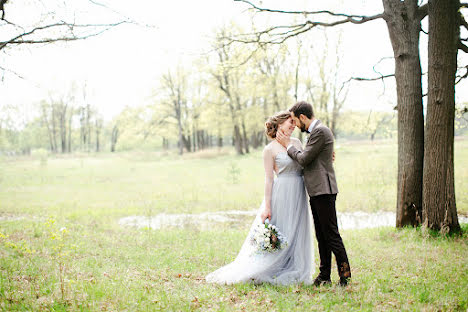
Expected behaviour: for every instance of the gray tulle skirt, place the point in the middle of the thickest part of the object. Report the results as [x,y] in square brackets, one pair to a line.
[293,264]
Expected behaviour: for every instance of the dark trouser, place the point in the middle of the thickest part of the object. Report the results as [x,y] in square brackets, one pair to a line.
[328,237]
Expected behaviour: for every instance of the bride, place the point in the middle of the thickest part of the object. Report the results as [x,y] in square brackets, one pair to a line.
[285,204]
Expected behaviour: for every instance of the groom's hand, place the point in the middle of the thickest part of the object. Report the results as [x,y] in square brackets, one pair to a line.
[282,138]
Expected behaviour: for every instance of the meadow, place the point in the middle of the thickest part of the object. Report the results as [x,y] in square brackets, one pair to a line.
[61,247]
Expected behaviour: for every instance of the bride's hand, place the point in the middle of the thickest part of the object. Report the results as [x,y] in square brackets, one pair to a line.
[283,138]
[266,214]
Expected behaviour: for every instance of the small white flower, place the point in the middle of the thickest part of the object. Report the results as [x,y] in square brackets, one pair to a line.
[63,229]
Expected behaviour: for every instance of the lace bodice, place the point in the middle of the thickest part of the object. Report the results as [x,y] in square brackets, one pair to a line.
[286,165]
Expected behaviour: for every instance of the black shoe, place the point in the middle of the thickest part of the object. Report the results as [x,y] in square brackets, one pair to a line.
[319,281]
[345,274]
[344,281]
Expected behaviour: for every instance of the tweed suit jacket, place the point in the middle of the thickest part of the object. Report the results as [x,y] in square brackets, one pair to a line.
[317,161]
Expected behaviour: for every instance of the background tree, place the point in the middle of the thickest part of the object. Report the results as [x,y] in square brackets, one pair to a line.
[175,86]
[440,211]
[228,72]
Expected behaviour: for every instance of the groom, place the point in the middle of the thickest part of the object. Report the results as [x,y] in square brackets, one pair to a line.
[319,178]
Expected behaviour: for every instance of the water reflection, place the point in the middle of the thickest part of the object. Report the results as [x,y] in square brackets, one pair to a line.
[206,220]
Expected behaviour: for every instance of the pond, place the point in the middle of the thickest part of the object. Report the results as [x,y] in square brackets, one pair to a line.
[204,221]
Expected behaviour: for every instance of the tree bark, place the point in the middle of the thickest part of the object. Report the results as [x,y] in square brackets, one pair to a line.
[46,122]
[62,116]
[439,206]
[70,116]
[98,127]
[88,126]
[114,137]
[54,126]
[404,24]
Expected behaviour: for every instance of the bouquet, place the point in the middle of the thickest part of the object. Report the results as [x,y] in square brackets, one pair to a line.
[267,238]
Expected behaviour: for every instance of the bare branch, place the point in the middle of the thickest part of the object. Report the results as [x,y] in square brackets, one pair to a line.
[460,77]
[370,79]
[293,30]
[463,21]
[126,17]
[279,34]
[357,18]
[422,30]
[22,38]
[3,69]
[381,76]
[462,47]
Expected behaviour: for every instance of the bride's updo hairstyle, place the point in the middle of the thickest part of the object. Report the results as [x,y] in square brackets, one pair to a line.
[273,122]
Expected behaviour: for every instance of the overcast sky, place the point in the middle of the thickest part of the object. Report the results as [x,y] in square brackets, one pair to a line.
[122,66]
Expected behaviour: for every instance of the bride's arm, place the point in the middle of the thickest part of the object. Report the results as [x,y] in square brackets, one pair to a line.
[268,163]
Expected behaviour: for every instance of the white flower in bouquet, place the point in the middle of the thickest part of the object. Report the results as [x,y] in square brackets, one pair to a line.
[267,238]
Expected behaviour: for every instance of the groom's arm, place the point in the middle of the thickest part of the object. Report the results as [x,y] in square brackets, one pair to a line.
[313,147]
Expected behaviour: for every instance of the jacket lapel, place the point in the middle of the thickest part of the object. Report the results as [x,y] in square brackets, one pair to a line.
[315,126]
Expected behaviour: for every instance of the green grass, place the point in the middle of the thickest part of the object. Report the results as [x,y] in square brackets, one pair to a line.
[95,264]
[110,268]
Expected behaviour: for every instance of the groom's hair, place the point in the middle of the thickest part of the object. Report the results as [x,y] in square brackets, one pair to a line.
[303,108]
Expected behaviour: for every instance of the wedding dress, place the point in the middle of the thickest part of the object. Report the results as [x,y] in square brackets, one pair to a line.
[291,214]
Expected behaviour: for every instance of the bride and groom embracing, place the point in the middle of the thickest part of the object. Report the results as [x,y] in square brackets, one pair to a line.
[300,173]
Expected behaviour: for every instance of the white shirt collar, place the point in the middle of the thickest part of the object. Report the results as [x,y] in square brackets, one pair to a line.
[312,124]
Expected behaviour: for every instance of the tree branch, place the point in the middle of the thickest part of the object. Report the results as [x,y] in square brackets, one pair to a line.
[382,77]
[460,77]
[462,47]
[3,69]
[463,21]
[19,39]
[286,32]
[422,11]
[259,9]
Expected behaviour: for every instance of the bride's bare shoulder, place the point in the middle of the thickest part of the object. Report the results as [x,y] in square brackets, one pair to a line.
[270,148]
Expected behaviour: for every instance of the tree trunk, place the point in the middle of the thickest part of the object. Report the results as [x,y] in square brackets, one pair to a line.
[439,206]
[98,125]
[404,23]
[179,125]
[88,126]
[46,121]
[187,143]
[83,131]
[70,116]
[114,137]
[195,138]
[63,126]
[237,138]
[245,140]
[54,126]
